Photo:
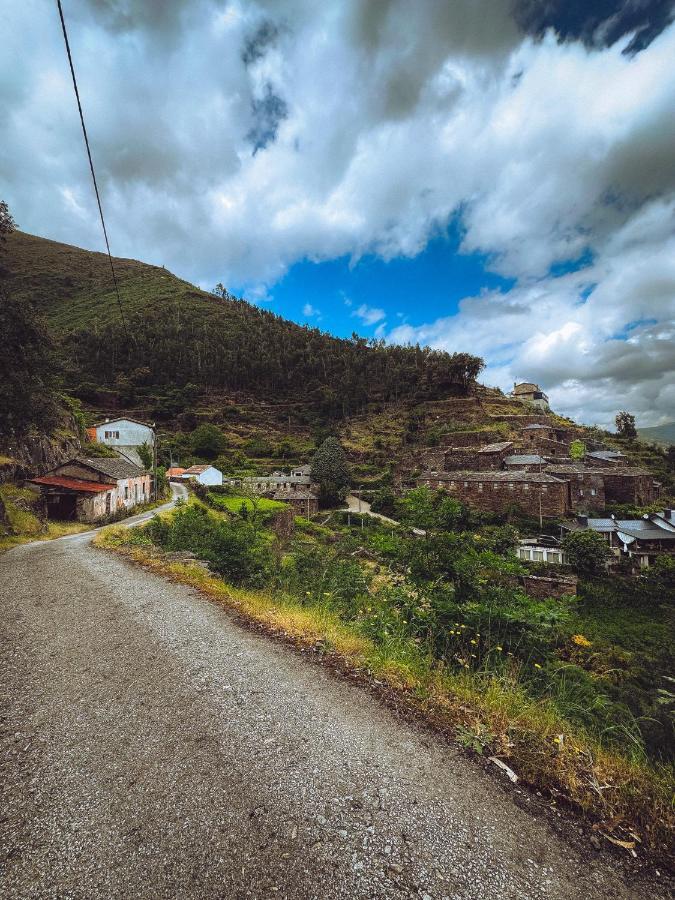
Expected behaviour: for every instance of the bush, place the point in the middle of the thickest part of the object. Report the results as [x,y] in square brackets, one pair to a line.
[587,552]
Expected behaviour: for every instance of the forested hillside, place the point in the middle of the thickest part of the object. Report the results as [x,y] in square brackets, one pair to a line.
[178,335]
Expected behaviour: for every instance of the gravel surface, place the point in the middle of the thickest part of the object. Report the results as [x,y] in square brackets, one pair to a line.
[151,747]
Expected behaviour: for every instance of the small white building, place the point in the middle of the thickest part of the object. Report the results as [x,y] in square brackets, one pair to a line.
[124,435]
[207,475]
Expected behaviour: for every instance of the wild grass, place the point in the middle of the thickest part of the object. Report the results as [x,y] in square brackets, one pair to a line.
[489,711]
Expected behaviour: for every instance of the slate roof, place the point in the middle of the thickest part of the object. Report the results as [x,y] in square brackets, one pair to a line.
[496,448]
[535,427]
[487,477]
[642,529]
[287,494]
[606,454]
[113,468]
[524,459]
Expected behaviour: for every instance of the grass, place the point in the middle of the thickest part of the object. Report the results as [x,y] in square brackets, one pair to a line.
[234,503]
[25,524]
[491,713]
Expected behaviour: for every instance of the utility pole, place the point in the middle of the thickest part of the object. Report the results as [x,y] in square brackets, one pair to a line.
[154,459]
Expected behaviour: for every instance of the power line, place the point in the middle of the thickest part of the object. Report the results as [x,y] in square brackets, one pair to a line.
[91,166]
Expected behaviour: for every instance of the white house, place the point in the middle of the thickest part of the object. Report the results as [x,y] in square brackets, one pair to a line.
[124,435]
[208,475]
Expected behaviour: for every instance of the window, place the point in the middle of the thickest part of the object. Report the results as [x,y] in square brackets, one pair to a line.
[452,484]
[466,484]
[544,487]
[581,493]
[480,485]
[511,485]
[526,487]
[495,486]
[538,555]
[126,491]
[592,492]
[554,556]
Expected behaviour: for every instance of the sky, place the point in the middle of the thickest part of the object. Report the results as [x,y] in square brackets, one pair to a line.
[488,176]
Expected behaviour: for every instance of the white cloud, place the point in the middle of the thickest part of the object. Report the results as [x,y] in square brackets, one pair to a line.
[375,124]
[308,310]
[369,315]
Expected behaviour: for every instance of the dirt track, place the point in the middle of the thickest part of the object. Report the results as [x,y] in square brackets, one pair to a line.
[153,748]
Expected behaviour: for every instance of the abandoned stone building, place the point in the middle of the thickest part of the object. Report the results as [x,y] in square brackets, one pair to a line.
[586,486]
[545,440]
[532,492]
[525,462]
[89,490]
[305,502]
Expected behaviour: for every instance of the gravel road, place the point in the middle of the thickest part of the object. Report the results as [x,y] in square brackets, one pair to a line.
[153,748]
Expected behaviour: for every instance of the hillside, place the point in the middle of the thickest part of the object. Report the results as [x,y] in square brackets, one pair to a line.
[180,335]
[658,434]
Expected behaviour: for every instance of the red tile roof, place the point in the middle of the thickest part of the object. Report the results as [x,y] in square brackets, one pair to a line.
[73,484]
[175,470]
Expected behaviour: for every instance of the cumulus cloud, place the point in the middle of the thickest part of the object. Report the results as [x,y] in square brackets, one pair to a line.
[233,139]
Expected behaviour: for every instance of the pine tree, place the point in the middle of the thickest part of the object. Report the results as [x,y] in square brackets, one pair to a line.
[331,472]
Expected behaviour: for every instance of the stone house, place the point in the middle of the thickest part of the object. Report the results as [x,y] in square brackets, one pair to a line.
[479,459]
[605,458]
[304,502]
[525,462]
[491,457]
[530,393]
[545,440]
[89,490]
[498,492]
[586,486]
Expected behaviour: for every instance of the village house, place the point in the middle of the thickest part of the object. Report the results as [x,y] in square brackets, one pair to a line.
[125,435]
[542,549]
[526,462]
[268,484]
[304,470]
[175,473]
[586,486]
[480,459]
[640,540]
[204,474]
[533,492]
[530,393]
[89,490]
[605,458]
[545,440]
[629,485]
[303,501]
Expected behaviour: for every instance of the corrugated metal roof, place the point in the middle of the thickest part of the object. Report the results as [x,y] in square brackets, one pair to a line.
[73,484]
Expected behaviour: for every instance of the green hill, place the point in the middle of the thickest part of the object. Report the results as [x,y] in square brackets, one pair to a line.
[179,335]
[659,434]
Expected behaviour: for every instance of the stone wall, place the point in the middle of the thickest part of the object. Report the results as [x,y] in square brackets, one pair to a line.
[500,496]
[586,488]
[629,487]
[470,438]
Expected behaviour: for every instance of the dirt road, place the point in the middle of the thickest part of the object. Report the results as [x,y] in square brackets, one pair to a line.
[152,748]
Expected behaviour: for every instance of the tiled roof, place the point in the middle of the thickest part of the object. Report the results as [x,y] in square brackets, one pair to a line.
[113,468]
[175,470]
[73,484]
[196,470]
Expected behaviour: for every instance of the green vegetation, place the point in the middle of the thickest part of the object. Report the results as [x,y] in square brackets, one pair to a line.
[331,473]
[573,692]
[625,425]
[21,521]
[587,552]
[183,336]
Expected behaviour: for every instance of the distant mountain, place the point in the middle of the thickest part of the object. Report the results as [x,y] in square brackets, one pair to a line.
[658,434]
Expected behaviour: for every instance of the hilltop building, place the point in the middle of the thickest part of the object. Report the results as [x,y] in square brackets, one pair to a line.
[530,393]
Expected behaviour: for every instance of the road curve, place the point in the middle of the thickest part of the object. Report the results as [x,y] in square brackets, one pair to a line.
[152,748]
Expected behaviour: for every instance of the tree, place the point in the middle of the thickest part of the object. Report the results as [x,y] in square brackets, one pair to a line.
[625,424]
[577,449]
[145,454]
[587,552]
[7,223]
[331,472]
[208,441]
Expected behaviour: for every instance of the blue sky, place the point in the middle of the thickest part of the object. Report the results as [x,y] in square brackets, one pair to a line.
[307,154]
[371,295]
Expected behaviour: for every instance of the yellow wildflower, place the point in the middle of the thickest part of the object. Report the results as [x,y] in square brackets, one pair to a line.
[537,666]
[581,641]
[473,642]
[498,647]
